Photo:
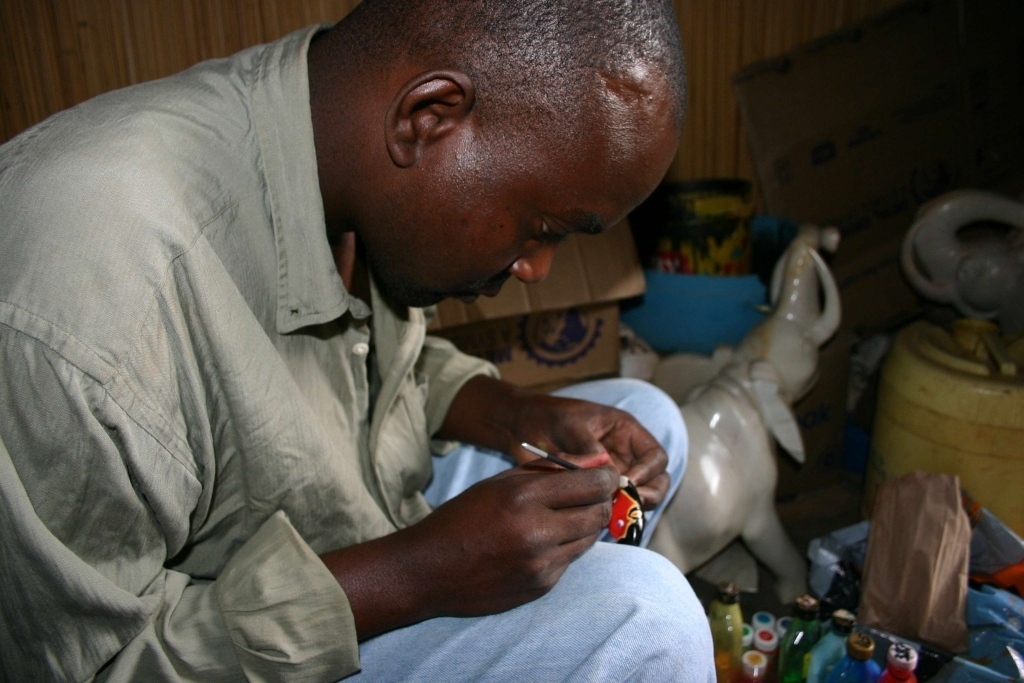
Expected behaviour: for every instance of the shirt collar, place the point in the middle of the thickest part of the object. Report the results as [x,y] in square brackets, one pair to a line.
[309,289]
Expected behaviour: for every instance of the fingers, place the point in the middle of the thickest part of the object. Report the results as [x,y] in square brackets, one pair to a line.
[580,527]
[654,491]
[559,425]
[586,433]
[560,507]
[648,474]
[560,488]
[505,540]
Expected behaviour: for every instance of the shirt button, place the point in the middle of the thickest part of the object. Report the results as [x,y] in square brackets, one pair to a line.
[361,349]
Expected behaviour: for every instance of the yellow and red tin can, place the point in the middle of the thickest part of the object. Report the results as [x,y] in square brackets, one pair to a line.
[698,227]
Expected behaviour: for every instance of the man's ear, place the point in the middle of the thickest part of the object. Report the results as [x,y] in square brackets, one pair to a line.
[428,107]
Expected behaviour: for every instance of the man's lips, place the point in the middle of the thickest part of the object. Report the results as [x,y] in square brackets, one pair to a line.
[490,292]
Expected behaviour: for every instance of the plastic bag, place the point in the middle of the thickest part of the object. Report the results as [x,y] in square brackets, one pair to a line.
[827,552]
[995,619]
[997,554]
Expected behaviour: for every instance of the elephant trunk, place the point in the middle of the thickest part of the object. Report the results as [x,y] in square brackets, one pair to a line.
[828,322]
[796,279]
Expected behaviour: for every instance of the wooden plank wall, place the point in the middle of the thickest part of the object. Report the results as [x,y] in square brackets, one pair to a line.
[56,53]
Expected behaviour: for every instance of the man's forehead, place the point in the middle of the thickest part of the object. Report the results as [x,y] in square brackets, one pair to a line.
[637,80]
[634,110]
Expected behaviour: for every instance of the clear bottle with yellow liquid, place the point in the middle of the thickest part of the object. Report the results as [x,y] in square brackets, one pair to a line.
[726,621]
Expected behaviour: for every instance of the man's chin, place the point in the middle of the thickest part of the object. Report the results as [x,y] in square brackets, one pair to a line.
[415,297]
[407,296]
[466,298]
[423,299]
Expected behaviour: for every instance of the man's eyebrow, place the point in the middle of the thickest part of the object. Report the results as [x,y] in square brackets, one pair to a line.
[589,223]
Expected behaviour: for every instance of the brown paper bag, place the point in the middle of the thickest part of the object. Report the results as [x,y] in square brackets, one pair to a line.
[915,570]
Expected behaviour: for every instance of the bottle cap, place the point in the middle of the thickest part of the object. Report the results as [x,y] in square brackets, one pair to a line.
[755,664]
[782,625]
[902,657]
[806,607]
[843,620]
[748,636]
[765,640]
[762,620]
[860,646]
[728,592]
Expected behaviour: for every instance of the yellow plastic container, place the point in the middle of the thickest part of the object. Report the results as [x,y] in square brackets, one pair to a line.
[953,403]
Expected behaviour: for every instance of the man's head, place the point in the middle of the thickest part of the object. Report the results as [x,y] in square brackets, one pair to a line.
[461,139]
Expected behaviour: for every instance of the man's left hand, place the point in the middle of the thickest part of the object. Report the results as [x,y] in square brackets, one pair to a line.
[491,413]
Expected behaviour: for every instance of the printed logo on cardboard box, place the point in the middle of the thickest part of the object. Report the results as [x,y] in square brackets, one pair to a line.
[561,337]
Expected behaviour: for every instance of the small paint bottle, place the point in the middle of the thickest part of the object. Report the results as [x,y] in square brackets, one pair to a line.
[754,669]
[782,625]
[767,643]
[762,619]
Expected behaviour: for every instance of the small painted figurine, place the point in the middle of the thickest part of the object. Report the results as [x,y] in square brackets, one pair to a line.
[627,522]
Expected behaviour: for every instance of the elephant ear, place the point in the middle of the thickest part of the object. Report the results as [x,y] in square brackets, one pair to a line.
[775,411]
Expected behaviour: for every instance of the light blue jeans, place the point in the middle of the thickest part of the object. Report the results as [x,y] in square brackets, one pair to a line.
[617,614]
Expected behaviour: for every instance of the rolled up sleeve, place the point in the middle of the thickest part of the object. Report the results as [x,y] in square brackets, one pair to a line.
[94,514]
[286,615]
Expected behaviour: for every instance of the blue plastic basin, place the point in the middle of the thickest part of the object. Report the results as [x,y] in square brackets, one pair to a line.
[695,313]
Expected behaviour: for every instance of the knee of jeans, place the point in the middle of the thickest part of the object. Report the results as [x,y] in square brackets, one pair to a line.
[645,401]
[667,616]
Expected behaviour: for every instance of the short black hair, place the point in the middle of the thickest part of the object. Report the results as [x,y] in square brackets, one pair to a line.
[533,58]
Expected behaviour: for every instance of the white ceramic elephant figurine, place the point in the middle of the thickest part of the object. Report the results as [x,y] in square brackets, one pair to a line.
[739,409]
[978,270]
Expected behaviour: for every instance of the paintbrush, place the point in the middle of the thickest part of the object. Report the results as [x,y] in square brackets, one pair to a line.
[623,480]
[547,456]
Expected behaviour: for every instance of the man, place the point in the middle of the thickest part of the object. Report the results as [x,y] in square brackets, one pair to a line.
[220,404]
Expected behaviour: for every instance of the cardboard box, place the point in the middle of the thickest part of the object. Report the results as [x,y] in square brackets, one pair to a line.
[546,348]
[861,127]
[821,415]
[563,329]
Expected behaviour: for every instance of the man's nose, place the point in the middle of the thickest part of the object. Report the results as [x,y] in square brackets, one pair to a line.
[534,266]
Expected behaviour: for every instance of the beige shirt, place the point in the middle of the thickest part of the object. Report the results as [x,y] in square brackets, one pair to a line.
[185,418]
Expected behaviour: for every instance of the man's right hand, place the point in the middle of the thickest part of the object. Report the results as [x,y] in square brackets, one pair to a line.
[503,542]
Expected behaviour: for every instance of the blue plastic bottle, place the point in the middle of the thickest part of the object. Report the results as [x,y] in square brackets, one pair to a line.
[831,648]
[856,666]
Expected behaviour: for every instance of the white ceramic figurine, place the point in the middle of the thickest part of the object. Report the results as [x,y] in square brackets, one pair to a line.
[736,412]
[966,249]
